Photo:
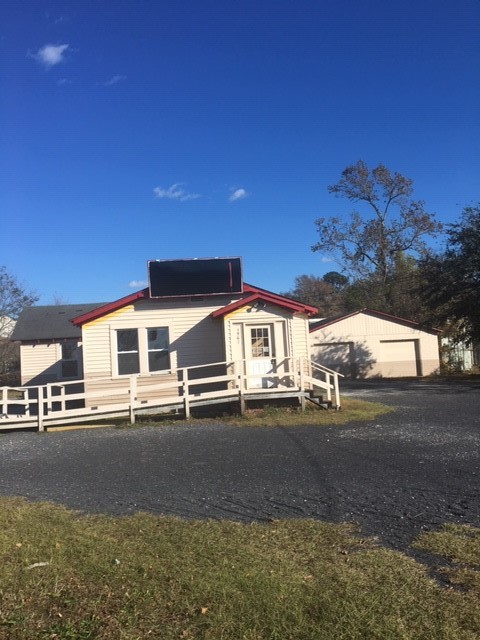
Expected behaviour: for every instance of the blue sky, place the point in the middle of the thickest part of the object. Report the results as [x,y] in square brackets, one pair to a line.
[133,130]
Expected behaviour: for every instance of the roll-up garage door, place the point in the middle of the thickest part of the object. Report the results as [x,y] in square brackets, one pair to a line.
[399,358]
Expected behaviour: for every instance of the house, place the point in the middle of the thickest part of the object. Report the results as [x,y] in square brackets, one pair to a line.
[50,344]
[157,337]
[369,343]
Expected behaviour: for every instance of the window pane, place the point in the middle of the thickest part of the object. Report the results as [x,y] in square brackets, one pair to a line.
[127,340]
[260,342]
[128,363]
[69,369]
[158,360]
[127,344]
[158,338]
[68,349]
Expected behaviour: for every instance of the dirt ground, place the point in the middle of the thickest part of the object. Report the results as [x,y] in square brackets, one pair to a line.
[410,471]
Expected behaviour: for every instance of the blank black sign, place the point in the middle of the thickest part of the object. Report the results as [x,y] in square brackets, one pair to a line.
[204,276]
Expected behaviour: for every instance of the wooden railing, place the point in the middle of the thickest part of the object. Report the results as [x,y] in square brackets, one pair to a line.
[331,382]
[67,402]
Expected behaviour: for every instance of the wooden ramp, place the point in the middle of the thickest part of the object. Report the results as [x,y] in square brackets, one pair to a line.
[41,407]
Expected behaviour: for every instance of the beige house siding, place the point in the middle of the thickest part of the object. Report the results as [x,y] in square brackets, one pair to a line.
[367,346]
[197,342]
[300,338]
[192,332]
[195,339]
[194,336]
[41,363]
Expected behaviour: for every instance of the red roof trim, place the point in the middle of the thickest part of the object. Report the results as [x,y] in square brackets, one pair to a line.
[282,300]
[109,308]
[234,305]
[261,294]
[379,314]
[255,294]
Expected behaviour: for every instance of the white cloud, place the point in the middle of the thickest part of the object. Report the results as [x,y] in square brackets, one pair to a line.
[175,192]
[237,194]
[51,54]
[137,284]
[114,80]
[326,259]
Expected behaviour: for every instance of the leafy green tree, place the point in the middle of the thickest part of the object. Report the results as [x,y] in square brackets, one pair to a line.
[451,281]
[336,280]
[369,244]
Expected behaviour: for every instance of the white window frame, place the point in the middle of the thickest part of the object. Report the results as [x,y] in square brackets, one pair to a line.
[149,351]
[142,333]
[136,351]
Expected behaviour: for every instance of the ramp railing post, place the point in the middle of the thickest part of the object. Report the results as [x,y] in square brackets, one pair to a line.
[133,398]
[302,374]
[337,392]
[186,397]
[40,424]
[329,386]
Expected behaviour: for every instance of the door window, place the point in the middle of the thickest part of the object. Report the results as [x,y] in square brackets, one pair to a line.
[260,342]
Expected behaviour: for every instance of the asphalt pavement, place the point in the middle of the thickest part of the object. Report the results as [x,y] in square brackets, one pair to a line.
[409,471]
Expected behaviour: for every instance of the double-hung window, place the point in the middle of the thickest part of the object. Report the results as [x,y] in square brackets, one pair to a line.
[69,358]
[127,351]
[143,351]
[158,352]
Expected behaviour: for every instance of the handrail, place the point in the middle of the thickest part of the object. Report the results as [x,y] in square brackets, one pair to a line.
[51,400]
[320,367]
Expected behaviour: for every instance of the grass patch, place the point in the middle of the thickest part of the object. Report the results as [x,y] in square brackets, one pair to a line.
[460,545]
[270,416]
[144,576]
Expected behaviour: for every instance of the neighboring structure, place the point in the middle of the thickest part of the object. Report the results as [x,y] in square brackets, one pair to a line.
[152,337]
[369,343]
[458,357]
[50,345]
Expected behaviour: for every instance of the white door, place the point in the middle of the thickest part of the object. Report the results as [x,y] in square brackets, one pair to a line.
[259,356]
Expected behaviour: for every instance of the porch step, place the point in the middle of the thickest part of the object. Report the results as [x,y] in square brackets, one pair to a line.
[315,396]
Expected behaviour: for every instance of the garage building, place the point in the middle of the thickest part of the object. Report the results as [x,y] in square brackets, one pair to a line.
[369,343]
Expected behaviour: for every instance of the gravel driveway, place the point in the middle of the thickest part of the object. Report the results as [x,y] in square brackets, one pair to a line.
[411,470]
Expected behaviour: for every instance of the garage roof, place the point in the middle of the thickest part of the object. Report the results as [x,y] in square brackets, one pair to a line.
[376,314]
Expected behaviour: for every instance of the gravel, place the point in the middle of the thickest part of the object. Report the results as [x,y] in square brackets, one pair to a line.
[408,472]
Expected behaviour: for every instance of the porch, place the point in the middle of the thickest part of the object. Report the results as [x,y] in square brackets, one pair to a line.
[236,382]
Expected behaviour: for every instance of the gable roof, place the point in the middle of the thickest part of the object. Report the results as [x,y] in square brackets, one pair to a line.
[253,294]
[257,294]
[376,314]
[50,322]
[108,307]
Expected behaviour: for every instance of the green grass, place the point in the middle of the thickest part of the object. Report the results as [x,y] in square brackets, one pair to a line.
[144,576]
[270,416]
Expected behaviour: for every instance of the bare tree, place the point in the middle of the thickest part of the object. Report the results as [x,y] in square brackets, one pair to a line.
[13,298]
[391,224]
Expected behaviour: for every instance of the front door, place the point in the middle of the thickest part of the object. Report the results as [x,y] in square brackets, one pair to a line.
[260,356]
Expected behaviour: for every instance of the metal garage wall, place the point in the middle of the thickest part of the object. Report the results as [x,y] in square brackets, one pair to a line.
[338,356]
